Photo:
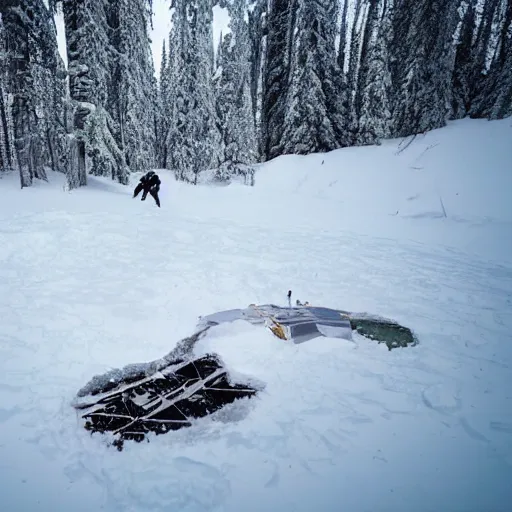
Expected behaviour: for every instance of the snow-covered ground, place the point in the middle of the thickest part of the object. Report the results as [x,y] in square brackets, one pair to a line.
[93,280]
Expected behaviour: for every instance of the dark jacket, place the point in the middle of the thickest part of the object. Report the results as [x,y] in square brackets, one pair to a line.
[150,181]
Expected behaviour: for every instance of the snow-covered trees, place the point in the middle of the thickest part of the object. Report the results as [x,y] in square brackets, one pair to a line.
[400,70]
[290,76]
[31,90]
[493,62]
[373,98]
[87,40]
[134,103]
[7,153]
[257,27]
[482,74]
[234,95]
[314,119]
[499,86]
[113,87]
[463,79]
[276,73]
[164,113]
[421,63]
[303,90]
[194,141]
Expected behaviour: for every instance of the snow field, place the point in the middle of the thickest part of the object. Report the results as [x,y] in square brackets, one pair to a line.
[93,280]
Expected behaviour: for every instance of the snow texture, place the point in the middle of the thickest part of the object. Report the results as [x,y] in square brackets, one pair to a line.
[92,280]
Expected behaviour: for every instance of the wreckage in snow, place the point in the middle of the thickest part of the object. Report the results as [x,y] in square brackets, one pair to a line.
[170,393]
[304,323]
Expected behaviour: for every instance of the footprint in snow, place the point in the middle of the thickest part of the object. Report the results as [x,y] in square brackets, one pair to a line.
[441,398]
[501,426]
[472,432]
[273,481]
[6,414]
[210,487]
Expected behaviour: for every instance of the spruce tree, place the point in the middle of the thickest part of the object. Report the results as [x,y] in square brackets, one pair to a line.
[276,74]
[257,27]
[32,91]
[354,53]
[113,87]
[134,104]
[7,153]
[195,142]
[164,109]
[94,148]
[464,77]
[374,82]
[501,69]
[493,92]
[175,104]
[421,57]
[314,119]
[343,38]
[234,98]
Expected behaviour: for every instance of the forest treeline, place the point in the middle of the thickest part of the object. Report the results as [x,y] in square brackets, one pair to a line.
[291,76]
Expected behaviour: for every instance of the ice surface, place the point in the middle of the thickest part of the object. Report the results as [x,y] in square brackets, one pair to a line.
[92,280]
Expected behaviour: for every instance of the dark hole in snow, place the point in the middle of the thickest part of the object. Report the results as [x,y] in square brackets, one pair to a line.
[170,399]
[385,331]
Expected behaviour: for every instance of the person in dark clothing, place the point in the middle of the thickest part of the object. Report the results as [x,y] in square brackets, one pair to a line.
[150,182]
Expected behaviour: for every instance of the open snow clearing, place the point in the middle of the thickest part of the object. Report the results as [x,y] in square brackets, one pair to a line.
[92,281]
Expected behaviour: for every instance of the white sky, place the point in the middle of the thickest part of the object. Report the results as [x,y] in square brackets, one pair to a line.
[161,28]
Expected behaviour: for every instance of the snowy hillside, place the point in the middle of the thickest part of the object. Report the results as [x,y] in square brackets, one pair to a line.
[93,280]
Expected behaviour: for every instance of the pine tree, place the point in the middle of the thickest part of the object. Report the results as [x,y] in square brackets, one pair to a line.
[175,99]
[314,119]
[276,74]
[194,143]
[32,104]
[7,154]
[94,148]
[487,28]
[234,98]
[112,86]
[354,63]
[464,78]
[362,54]
[493,92]
[164,109]
[257,26]
[374,82]
[134,106]
[343,38]
[501,70]
[421,57]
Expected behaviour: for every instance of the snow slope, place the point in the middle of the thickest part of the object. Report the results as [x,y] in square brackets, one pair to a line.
[92,280]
